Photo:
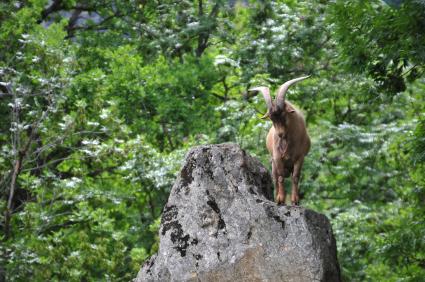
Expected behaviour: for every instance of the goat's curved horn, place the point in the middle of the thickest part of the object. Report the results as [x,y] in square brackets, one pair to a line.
[266,115]
[266,94]
[280,97]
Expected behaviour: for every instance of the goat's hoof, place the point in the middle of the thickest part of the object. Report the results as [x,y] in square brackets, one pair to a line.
[295,204]
[280,200]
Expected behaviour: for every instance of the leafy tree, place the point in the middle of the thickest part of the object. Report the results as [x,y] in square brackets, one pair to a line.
[381,40]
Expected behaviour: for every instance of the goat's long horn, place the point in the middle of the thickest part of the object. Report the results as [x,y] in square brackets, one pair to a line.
[266,94]
[280,97]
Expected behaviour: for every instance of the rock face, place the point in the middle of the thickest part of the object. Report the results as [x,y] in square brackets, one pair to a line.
[220,225]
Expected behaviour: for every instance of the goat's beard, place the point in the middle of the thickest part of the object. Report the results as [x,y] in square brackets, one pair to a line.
[283,146]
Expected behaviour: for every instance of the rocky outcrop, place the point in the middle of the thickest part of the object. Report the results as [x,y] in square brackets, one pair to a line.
[220,225]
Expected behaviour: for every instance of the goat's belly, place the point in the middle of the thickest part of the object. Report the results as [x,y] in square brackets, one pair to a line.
[289,165]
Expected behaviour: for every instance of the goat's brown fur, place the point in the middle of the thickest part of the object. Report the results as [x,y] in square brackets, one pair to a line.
[287,141]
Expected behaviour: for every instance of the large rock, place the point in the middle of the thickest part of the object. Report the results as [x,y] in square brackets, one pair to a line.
[220,225]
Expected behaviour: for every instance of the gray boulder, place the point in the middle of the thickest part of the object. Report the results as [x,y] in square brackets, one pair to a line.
[220,224]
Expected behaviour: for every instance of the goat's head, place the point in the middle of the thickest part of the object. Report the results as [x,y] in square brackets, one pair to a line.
[277,110]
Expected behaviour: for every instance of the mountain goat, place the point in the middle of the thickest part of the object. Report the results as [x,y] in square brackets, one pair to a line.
[287,141]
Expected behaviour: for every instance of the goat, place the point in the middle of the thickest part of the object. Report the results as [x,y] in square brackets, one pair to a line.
[287,141]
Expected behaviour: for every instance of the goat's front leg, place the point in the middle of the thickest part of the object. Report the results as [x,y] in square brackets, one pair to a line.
[295,179]
[279,179]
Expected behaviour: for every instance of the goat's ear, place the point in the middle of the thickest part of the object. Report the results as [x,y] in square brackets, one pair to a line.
[289,108]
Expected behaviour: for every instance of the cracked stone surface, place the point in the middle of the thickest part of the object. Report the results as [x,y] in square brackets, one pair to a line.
[220,224]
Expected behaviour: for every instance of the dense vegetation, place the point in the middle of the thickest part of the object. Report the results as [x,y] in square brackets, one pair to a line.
[100,100]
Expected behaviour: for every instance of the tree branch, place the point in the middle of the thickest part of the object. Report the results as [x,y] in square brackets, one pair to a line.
[205,35]
[54,7]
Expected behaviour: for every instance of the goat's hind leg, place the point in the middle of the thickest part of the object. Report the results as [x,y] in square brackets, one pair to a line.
[279,183]
[295,180]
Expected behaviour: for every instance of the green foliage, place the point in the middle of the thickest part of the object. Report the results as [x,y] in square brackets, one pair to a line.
[100,102]
[283,39]
[384,42]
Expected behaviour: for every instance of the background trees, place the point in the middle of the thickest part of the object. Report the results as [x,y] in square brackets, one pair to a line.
[100,100]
